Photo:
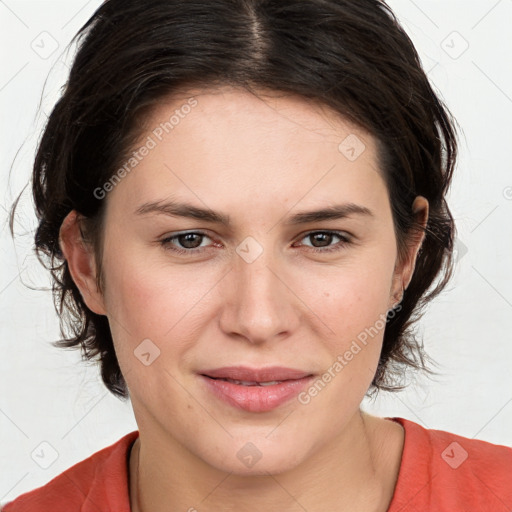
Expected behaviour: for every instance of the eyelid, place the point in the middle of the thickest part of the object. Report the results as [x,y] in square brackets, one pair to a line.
[169,238]
[345,239]
[341,234]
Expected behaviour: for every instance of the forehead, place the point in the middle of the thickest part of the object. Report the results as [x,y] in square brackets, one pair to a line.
[270,111]
[271,147]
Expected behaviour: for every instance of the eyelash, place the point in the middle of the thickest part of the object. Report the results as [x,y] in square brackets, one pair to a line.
[166,243]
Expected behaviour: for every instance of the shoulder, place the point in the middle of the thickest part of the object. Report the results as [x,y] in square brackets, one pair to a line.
[97,483]
[444,471]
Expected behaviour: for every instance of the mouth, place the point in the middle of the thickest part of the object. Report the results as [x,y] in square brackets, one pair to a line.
[255,390]
[249,383]
[245,374]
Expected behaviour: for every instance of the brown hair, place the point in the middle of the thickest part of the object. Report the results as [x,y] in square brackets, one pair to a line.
[353,57]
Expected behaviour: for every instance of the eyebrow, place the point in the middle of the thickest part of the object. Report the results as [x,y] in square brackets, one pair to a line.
[178,209]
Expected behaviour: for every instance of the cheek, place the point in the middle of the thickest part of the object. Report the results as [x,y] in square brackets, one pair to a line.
[353,306]
[150,313]
[154,300]
[352,301]
[353,298]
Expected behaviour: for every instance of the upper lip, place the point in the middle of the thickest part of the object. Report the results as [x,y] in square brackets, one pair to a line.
[255,374]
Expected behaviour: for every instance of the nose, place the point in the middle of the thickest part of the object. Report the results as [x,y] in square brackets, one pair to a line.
[259,304]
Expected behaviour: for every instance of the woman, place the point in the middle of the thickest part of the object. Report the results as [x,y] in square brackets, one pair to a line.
[243,203]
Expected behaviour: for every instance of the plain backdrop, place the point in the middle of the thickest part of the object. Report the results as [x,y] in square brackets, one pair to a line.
[54,410]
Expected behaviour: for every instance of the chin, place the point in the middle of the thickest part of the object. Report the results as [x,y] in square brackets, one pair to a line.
[256,457]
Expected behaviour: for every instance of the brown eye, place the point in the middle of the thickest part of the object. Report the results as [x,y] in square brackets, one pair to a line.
[322,241]
[190,240]
[185,243]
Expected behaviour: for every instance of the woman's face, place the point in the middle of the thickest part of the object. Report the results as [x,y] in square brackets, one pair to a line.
[270,286]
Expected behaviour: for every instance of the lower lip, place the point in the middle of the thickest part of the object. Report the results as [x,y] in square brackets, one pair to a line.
[256,398]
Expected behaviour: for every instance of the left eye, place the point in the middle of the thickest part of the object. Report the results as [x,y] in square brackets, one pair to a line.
[191,242]
[187,240]
[325,237]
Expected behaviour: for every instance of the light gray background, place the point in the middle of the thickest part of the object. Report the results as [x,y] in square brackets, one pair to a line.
[48,396]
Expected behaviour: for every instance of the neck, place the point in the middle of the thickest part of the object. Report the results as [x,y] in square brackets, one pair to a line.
[357,471]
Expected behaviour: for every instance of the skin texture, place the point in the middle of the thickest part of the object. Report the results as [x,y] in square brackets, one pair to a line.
[258,159]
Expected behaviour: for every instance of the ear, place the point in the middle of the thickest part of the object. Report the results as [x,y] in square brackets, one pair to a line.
[81,262]
[404,270]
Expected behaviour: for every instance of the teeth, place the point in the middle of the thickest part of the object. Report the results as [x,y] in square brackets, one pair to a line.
[253,383]
[243,382]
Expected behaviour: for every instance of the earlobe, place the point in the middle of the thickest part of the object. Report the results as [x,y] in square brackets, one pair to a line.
[81,262]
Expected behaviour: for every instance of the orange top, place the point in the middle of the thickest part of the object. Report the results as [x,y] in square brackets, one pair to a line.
[440,471]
